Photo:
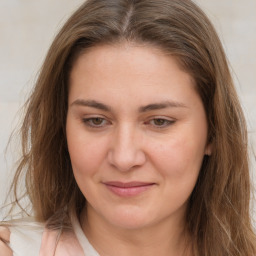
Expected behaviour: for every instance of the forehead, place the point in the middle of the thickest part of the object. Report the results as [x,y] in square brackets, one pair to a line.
[137,71]
[134,56]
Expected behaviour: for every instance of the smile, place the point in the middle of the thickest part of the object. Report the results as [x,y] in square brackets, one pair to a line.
[128,189]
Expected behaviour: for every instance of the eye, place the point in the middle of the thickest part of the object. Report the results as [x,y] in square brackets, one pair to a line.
[95,122]
[160,122]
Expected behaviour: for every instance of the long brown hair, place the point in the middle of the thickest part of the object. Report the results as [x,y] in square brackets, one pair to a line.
[218,216]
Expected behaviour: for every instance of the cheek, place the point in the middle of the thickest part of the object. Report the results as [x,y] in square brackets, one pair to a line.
[179,164]
[85,157]
[179,157]
[85,153]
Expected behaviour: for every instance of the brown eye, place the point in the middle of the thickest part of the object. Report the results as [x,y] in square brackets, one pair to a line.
[160,122]
[95,122]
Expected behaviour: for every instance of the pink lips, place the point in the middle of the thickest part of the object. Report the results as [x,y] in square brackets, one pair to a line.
[128,189]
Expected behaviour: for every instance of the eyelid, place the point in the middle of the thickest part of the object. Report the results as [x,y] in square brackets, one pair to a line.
[88,122]
[167,122]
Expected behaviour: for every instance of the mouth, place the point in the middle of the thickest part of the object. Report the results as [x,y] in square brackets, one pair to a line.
[128,189]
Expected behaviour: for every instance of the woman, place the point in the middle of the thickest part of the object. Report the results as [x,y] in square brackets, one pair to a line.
[134,141]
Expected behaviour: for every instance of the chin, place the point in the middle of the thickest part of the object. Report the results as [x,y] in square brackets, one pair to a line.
[130,219]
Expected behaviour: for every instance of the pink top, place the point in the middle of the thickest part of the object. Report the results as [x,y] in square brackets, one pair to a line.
[29,238]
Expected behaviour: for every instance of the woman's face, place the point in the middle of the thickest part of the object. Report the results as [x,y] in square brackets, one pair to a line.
[137,135]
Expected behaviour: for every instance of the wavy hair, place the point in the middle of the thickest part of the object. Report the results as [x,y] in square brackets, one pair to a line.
[218,214]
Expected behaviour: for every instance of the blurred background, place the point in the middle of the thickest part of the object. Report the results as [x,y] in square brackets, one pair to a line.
[27,28]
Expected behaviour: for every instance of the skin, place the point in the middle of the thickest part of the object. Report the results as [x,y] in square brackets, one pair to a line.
[4,240]
[134,115]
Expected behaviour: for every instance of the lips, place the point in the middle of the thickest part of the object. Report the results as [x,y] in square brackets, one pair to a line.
[128,189]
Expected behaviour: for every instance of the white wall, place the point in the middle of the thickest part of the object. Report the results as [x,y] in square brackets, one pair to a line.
[27,27]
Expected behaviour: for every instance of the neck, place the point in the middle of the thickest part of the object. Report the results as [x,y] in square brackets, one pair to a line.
[166,238]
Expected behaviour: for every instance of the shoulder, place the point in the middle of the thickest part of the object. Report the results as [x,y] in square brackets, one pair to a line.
[23,237]
[4,241]
[60,243]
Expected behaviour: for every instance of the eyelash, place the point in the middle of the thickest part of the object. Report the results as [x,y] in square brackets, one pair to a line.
[165,122]
[89,122]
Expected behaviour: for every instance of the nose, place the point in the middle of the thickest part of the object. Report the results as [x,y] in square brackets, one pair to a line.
[126,149]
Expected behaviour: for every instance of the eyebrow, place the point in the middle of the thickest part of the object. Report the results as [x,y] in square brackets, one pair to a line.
[92,104]
[149,107]
[162,105]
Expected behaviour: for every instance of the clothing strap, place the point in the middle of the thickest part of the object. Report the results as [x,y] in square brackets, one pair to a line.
[49,242]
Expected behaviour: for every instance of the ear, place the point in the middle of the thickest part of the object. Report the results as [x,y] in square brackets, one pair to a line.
[208,149]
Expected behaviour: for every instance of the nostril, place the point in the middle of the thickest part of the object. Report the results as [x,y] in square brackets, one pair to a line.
[124,160]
